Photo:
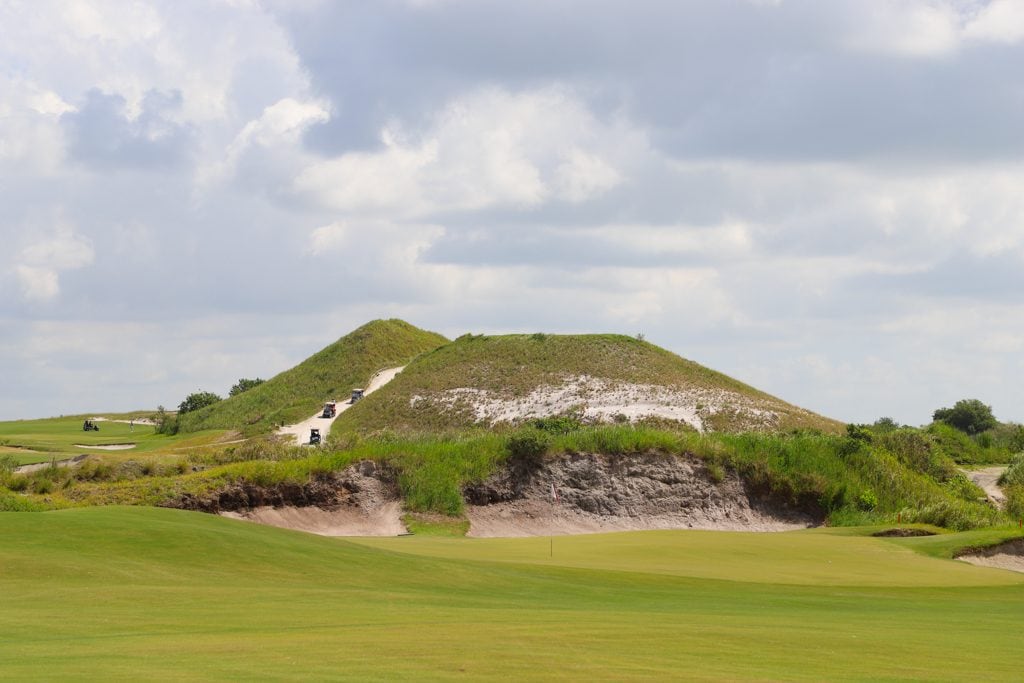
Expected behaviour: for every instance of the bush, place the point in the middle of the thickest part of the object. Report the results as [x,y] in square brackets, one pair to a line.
[528,446]
[244,385]
[197,400]
[968,415]
[867,500]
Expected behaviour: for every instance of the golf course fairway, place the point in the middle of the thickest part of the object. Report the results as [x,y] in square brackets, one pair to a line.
[154,594]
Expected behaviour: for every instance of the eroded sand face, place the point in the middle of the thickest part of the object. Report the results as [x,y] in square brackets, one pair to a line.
[583,493]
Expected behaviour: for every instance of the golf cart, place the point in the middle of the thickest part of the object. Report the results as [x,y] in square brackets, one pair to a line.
[330,409]
[314,437]
[90,426]
[356,395]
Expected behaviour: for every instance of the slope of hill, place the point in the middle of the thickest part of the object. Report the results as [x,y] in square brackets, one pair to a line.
[330,373]
[482,380]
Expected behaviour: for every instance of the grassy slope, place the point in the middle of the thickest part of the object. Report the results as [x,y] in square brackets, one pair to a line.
[58,436]
[295,394]
[514,365]
[121,593]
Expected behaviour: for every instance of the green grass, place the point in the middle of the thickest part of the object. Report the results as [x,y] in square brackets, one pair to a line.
[57,437]
[512,366]
[331,373]
[150,594]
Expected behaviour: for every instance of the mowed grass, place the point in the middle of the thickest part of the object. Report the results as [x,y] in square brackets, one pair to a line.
[818,557]
[134,593]
[63,436]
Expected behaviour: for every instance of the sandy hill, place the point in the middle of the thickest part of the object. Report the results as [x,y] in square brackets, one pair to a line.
[486,380]
[330,373]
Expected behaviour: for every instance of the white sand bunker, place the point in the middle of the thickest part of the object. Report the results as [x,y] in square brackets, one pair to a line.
[1009,555]
[108,447]
[383,520]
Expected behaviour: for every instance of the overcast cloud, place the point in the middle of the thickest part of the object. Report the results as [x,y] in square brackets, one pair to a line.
[822,199]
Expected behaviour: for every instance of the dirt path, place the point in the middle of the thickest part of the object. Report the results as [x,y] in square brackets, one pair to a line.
[300,432]
[987,479]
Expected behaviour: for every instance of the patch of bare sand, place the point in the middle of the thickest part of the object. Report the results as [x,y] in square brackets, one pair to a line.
[37,466]
[603,400]
[535,518]
[109,447]
[385,520]
[581,494]
[987,479]
[1009,555]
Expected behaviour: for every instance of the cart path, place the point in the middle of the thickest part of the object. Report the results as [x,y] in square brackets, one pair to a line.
[987,479]
[300,432]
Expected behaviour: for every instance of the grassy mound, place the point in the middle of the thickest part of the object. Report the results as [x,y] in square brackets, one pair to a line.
[440,389]
[115,593]
[295,394]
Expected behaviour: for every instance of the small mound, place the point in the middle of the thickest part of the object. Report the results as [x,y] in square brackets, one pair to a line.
[585,493]
[1008,555]
[108,447]
[902,533]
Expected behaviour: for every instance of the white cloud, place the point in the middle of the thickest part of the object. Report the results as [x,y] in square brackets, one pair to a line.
[327,238]
[912,28]
[1001,21]
[490,148]
[38,265]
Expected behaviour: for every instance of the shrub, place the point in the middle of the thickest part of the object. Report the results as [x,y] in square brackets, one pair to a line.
[528,446]
[867,500]
[197,400]
[244,385]
[968,415]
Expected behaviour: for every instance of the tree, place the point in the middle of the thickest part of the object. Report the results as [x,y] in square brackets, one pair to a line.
[885,424]
[244,385]
[968,415]
[199,399]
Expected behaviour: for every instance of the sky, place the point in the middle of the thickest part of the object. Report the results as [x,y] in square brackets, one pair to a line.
[822,199]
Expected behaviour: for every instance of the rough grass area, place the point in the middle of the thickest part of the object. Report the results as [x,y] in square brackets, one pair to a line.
[851,481]
[112,594]
[512,366]
[332,373]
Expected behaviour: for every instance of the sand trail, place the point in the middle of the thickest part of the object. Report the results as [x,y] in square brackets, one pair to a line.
[300,432]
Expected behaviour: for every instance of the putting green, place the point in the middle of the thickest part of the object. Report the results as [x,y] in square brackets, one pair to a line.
[804,558]
[64,436]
